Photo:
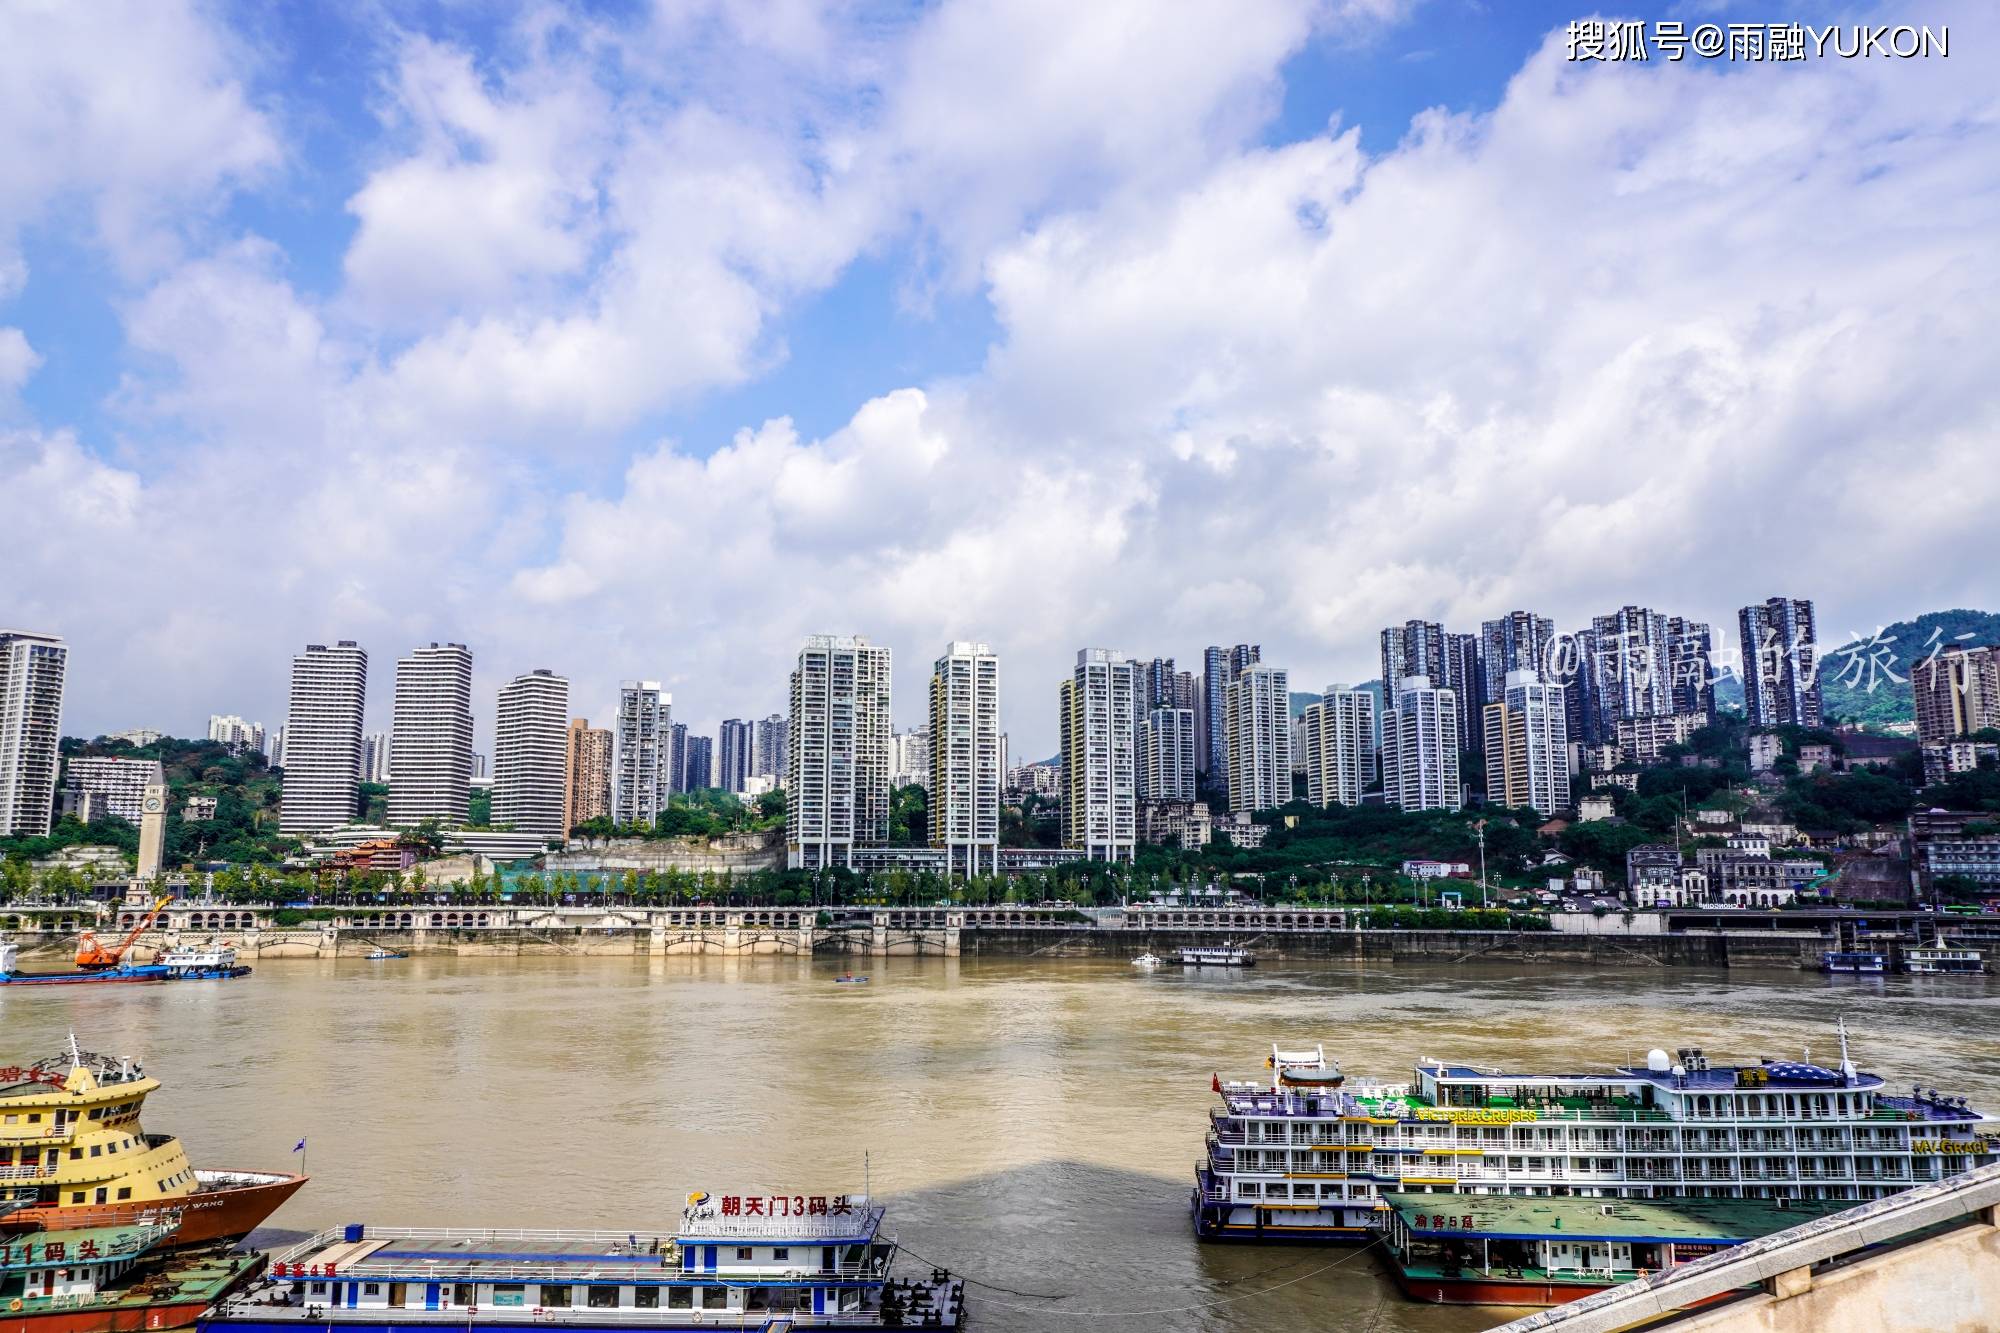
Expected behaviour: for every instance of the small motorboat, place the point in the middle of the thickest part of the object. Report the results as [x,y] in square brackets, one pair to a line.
[1147,960]
[378,955]
[849,979]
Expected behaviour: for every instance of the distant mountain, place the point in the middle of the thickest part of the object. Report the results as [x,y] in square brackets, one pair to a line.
[1302,701]
[1867,679]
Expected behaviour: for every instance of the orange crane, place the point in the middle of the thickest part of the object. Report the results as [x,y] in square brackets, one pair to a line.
[94,957]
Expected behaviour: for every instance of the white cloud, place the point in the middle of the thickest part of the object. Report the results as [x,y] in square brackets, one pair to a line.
[1667,334]
[17,361]
[128,114]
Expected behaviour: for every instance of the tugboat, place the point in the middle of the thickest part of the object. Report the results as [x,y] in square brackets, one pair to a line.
[757,1262]
[112,1279]
[73,1155]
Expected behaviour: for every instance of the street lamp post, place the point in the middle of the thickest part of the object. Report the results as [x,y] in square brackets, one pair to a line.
[1479,828]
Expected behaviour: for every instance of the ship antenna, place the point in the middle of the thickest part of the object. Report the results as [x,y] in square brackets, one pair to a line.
[866,1191]
[1846,1065]
[75,1054]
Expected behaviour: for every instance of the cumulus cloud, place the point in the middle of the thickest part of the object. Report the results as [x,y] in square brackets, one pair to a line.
[1671,334]
[17,361]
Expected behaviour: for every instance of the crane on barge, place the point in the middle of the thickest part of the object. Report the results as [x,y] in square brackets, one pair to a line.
[92,956]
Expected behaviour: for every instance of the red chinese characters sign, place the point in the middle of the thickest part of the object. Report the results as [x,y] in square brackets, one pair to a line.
[786,1205]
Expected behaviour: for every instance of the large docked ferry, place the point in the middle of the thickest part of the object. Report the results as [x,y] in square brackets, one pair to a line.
[1308,1154]
[762,1262]
[73,1155]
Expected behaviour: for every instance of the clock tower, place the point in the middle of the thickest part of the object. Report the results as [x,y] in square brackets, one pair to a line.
[152,830]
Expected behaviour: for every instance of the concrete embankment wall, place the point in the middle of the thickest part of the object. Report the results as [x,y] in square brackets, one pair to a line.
[738,938]
[1430,946]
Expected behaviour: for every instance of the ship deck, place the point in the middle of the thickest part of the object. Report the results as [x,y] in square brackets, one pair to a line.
[188,1279]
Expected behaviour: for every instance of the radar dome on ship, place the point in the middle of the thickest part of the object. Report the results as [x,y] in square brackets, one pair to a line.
[1659,1061]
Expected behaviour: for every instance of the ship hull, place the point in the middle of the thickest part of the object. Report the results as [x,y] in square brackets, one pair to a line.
[106,1319]
[222,1210]
[1535,1292]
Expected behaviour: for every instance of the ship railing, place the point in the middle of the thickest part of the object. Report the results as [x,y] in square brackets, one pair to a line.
[613,1242]
[29,1171]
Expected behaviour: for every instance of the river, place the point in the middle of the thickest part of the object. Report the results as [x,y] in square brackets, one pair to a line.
[1032,1124]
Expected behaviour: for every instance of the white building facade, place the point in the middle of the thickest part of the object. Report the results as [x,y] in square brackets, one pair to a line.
[1420,748]
[1168,755]
[1100,768]
[32,671]
[320,746]
[1526,746]
[1258,724]
[967,758]
[235,732]
[531,754]
[432,737]
[1339,733]
[837,781]
[644,776]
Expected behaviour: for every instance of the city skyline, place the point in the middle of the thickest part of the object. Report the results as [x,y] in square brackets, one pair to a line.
[305,300]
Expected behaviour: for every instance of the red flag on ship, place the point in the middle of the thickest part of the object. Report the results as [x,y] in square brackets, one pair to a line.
[1215,1083]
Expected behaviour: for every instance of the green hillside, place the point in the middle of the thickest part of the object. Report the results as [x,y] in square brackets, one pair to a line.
[1867,680]
[245,827]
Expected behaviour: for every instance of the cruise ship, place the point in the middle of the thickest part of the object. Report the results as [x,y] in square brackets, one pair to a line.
[769,1263]
[73,1154]
[1307,1153]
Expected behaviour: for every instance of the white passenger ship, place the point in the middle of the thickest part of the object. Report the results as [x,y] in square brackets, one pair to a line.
[772,1263]
[1307,1155]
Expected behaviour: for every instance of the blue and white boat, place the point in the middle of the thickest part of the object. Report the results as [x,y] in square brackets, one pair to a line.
[765,1262]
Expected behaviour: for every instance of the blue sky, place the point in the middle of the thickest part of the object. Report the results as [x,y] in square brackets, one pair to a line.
[638,341]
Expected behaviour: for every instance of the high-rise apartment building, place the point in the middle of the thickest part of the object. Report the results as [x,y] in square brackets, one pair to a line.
[274,747]
[677,758]
[698,763]
[1420,746]
[113,786]
[910,758]
[736,742]
[375,749]
[1258,726]
[1957,692]
[32,670]
[1219,666]
[1167,747]
[837,779]
[587,774]
[1642,663]
[1449,661]
[320,746]
[1339,734]
[1517,641]
[1100,778]
[531,754]
[967,759]
[233,731]
[1780,663]
[771,747]
[645,753]
[431,735]
[1527,745]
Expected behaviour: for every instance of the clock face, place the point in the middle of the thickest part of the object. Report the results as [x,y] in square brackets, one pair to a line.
[153,805]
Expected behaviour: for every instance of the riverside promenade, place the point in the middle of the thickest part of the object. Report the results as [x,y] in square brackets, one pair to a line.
[501,929]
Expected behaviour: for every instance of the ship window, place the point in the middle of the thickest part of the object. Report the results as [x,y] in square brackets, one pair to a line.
[555,1298]
[371,1289]
[742,1253]
[603,1298]
[680,1298]
[646,1298]
[75,1154]
[103,1194]
[781,1253]
[97,1150]
[714,1298]
[125,1192]
[76,1197]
